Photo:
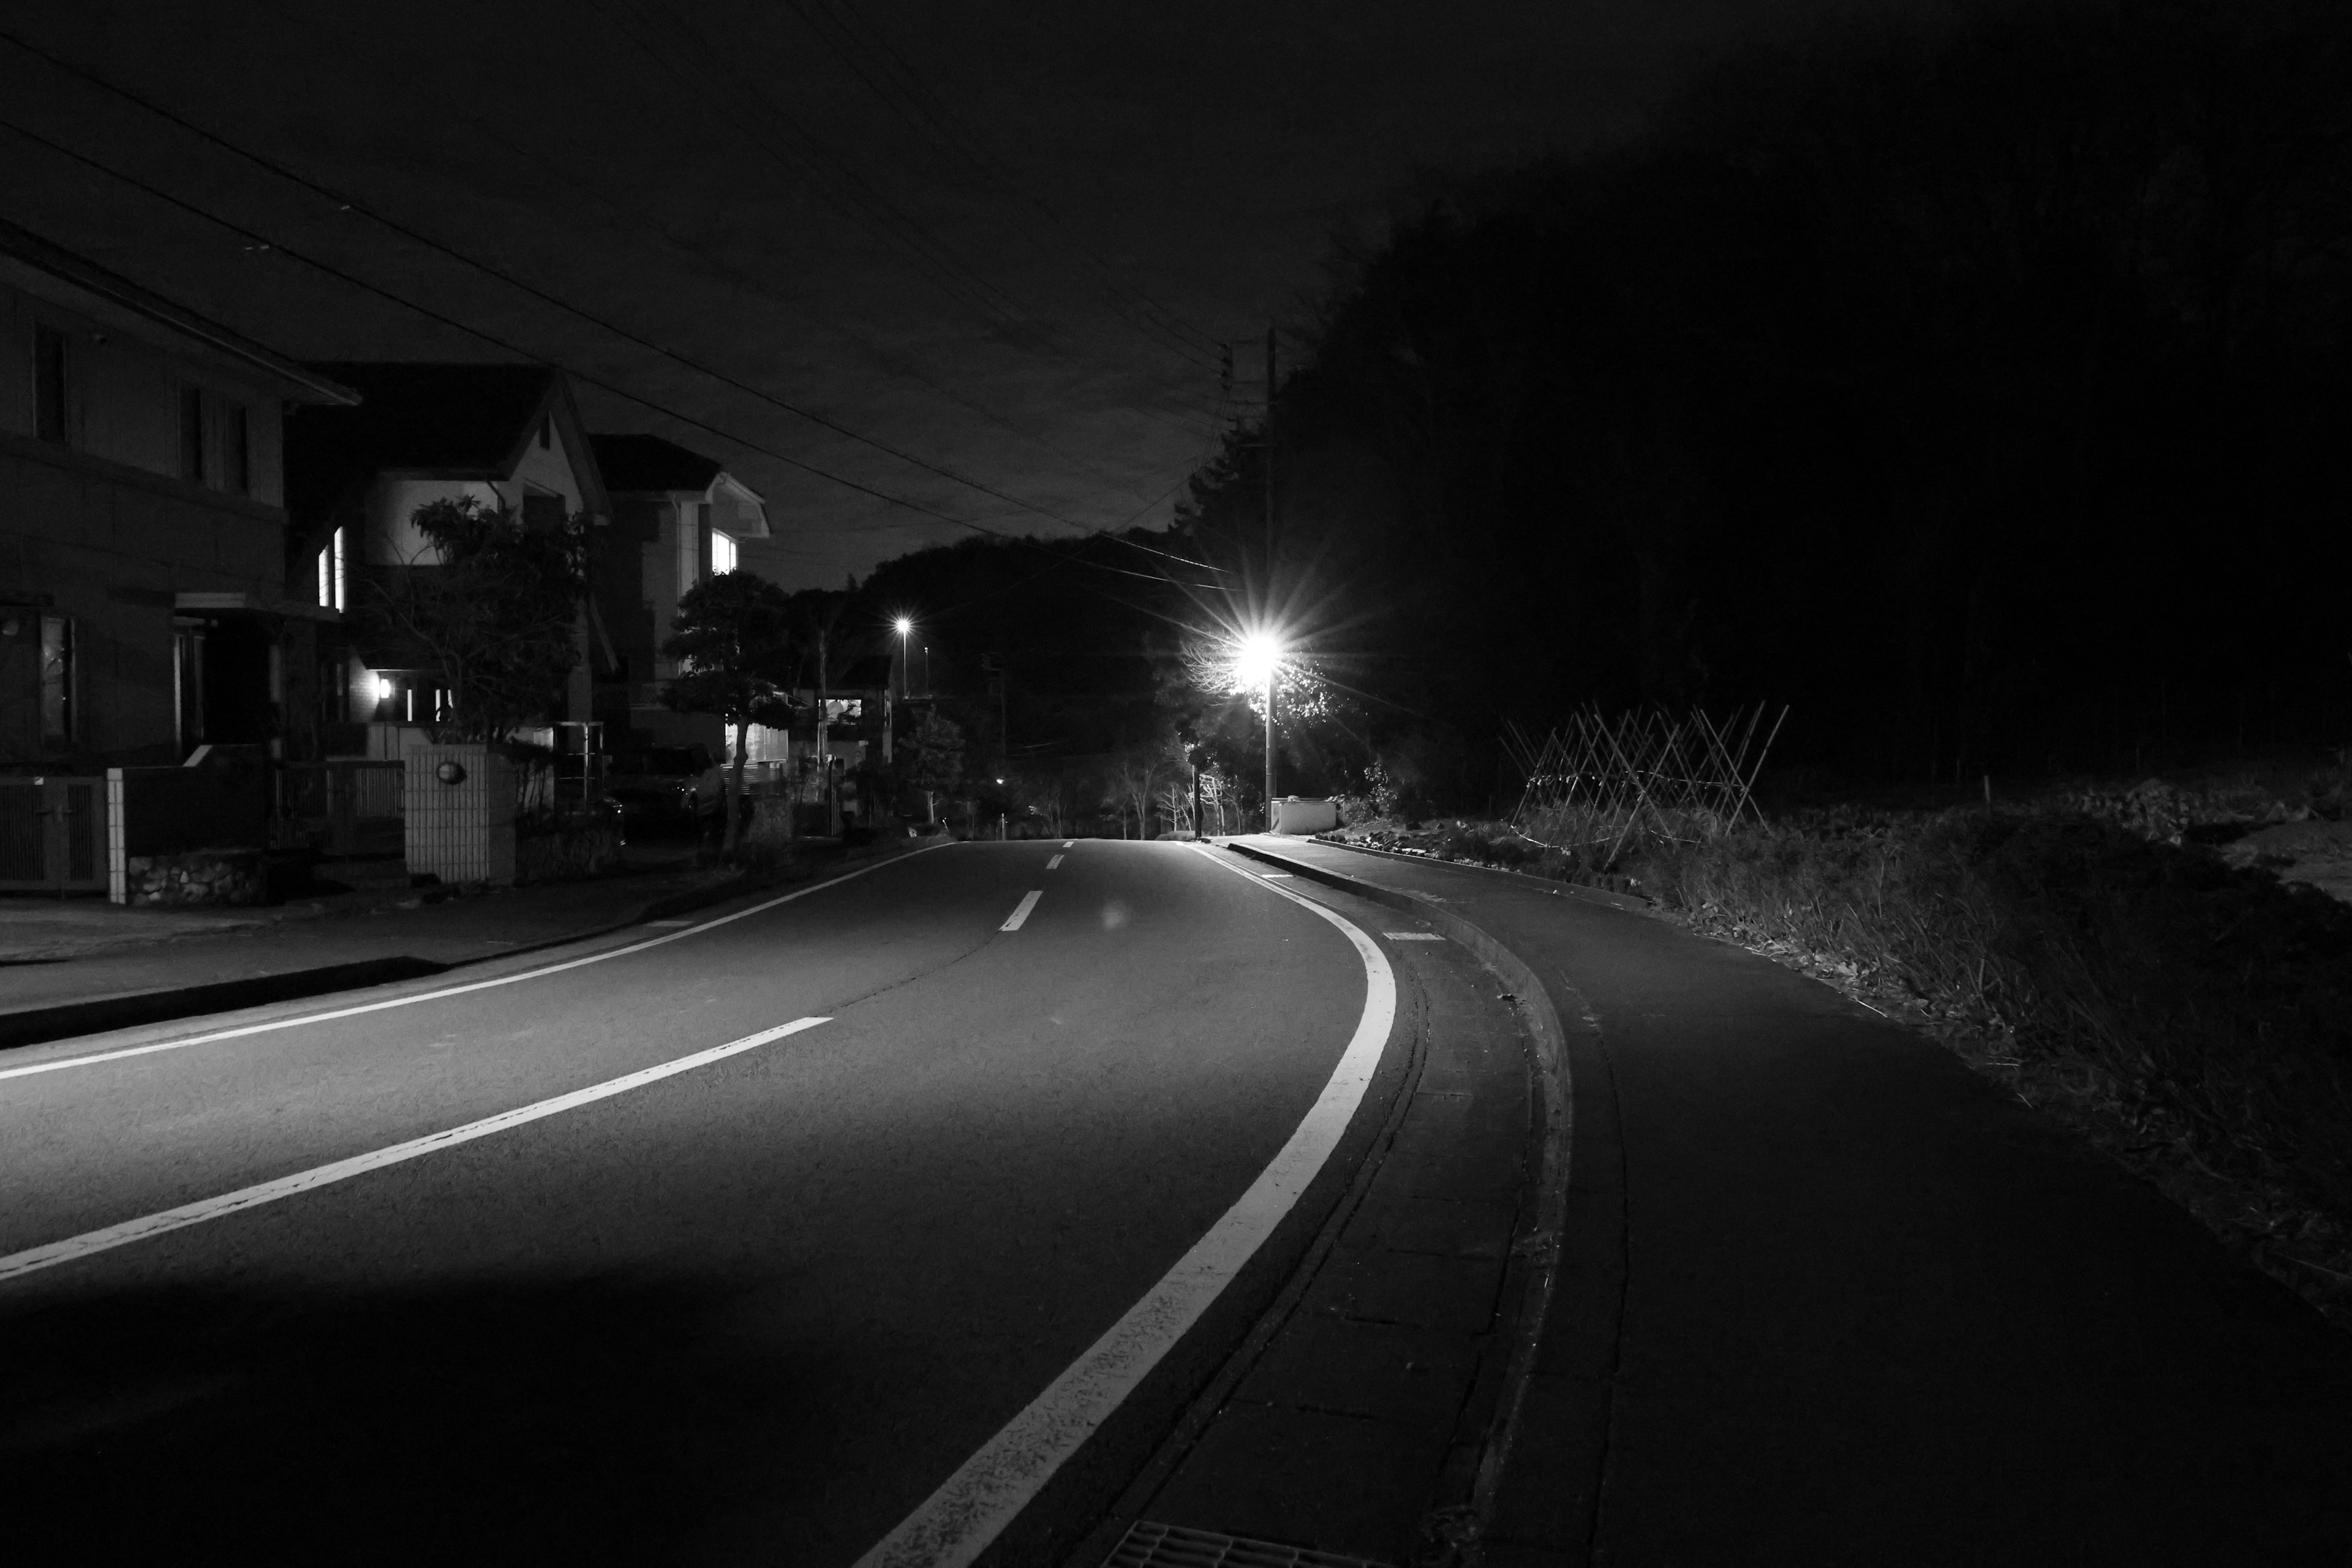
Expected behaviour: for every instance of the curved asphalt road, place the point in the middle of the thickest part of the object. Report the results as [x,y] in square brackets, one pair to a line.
[754,1310]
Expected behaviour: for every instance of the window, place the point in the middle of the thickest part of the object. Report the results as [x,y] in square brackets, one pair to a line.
[238,456]
[192,434]
[331,572]
[722,553]
[57,679]
[49,385]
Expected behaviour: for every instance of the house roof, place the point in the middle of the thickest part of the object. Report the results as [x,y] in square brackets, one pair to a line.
[651,463]
[42,265]
[446,421]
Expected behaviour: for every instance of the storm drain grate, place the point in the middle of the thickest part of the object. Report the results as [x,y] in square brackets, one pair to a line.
[1150,1545]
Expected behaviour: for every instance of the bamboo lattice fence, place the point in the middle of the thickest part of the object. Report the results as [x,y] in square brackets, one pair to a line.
[1653,772]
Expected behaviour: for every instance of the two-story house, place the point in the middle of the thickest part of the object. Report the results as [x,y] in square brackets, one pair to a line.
[679,519]
[505,434]
[143,602]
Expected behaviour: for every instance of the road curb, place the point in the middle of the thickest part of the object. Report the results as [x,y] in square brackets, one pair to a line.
[1615,898]
[1535,1254]
[65,1020]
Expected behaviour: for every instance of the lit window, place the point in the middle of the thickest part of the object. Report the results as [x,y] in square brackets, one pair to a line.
[331,572]
[722,553]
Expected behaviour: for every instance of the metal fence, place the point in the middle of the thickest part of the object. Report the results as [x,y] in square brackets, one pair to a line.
[52,835]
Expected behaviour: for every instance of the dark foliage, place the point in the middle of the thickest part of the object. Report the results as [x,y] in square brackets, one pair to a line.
[495,614]
[1976,390]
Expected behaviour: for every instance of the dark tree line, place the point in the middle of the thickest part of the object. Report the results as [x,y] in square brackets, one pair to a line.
[1981,391]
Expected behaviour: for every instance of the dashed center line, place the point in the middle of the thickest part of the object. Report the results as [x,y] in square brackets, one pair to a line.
[1413,936]
[1054,862]
[1020,912]
[1070,844]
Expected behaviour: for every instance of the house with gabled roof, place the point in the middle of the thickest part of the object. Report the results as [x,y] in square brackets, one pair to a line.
[679,519]
[506,435]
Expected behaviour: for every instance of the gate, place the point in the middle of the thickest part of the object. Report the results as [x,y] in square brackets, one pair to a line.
[52,836]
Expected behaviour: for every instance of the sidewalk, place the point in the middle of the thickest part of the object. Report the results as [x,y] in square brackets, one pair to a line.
[74,967]
[1824,1296]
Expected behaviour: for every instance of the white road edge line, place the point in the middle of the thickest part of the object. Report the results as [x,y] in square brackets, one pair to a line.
[1020,911]
[51,1254]
[96,1056]
[1056,860]
[956,1524]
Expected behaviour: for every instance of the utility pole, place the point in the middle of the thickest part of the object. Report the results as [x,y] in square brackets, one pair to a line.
[824,752]
[1270,678]
[1268,589]
[1269,463]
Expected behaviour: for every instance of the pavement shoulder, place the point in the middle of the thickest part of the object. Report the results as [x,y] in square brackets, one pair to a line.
[1827,1295]
[1360,1423]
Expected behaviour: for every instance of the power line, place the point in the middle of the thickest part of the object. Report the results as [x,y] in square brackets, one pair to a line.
[346,203]
[719,267]
[849,35]
[427,312]
[805,155]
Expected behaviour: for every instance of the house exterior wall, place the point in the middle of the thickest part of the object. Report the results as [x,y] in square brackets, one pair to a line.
[104,527]
[123,401]
[657,547]
[390,538]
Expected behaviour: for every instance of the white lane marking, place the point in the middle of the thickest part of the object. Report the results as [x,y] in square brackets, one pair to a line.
[669,922]
[1056,860]
[275,1024]
[957,1522]
[1020,912]
[1070,844]
[50,1255]
[1413,935]
[1274,876]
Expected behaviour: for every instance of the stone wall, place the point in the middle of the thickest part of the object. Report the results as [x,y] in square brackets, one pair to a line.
[196,876]
[559,854]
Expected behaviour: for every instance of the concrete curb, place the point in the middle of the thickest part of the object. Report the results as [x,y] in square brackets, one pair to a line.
[1636,903]
[65,1020]
[1535,1254]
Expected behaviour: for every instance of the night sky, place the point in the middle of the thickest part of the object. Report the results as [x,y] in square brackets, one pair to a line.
[1004,241]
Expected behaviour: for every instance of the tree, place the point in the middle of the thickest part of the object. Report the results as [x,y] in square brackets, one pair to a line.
[933,754]
[495,616]
[736,653]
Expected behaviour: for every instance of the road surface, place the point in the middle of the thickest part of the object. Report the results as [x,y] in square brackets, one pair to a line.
[757,1307]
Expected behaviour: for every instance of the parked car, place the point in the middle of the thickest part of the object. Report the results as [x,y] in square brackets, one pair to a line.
[675,786]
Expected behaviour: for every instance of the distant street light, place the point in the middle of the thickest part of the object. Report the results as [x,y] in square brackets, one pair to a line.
[902,626]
